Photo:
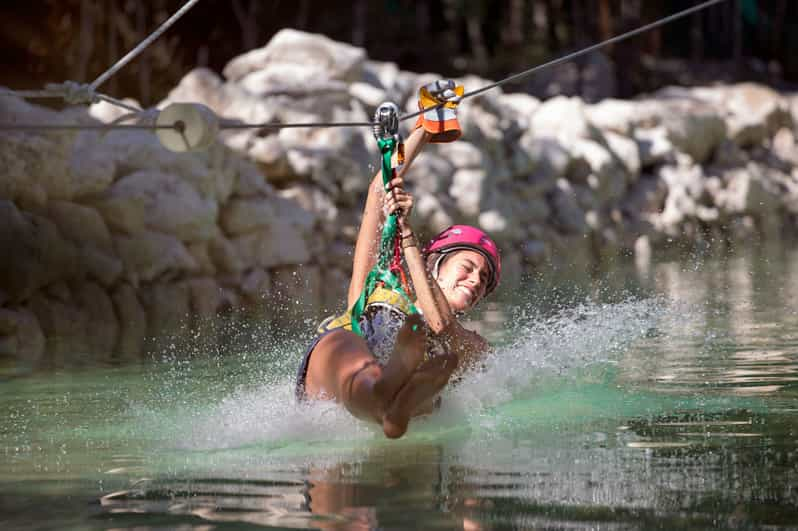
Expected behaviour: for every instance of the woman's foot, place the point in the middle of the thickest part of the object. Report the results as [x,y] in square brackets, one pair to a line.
[424,383]
[408,353]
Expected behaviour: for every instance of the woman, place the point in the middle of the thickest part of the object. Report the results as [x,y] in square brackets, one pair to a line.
[397,368]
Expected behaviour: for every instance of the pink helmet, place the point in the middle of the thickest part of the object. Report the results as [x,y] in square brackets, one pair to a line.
[465,237]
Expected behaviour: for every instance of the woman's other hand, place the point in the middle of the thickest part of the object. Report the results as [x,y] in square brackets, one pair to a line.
[398,201]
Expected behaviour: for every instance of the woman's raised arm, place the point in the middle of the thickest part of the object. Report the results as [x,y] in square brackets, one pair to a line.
[368,238]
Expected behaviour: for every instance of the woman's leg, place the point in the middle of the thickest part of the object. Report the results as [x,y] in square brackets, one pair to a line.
[342,368]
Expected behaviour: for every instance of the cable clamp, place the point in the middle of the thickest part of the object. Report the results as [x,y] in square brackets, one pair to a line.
[74,93]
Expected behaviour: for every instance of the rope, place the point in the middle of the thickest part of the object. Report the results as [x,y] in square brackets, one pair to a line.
[576,54]
[142,45]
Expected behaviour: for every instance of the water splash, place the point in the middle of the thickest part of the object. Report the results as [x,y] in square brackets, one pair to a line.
[581,343]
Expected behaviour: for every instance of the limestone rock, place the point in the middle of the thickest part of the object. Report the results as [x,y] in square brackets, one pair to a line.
[160,202]
[695,130]
[319,55]
[22,335]
[150,255]
[626,151]
[132,322]
[432,213]
[80,224]
[91,170]
[470,188]
[100,265]
[199,251]
[618,116]
[168,312]
[551,160]
[64,324]
[567,214]
[431,173]
[40,254]
[240,216]
[563,118]
[102,326]
[206,297]
[256,286]
[225,256]
[654,145]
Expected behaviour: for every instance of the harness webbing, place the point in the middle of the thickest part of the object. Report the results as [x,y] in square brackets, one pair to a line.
[389,259]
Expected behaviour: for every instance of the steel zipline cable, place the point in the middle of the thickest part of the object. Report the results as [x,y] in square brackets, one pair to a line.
[75,92]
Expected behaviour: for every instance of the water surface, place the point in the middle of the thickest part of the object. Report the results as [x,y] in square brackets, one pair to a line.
[661,396]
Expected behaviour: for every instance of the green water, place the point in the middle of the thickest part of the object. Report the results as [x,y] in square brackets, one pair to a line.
[660,397]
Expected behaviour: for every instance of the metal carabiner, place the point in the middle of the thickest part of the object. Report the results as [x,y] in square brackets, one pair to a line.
[386,121]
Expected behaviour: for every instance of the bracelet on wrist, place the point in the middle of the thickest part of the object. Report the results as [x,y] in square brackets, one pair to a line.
[410,241]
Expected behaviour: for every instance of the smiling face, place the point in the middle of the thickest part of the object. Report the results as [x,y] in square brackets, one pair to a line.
[463,277]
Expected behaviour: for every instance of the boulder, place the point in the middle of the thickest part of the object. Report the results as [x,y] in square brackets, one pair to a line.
[694,129]
[64,324]
[464,155]
[256,286]
[654,146]
[551,160]
[160,202]
[567,215]
[617,116]
[80,224]
[563,118]
[606,176]
[91,170]
[199,251]
[99,264]
[240,216]
[22,336]
[40,254]
[151,255]
[250,181]
[25,169]
[205,296]
[312,199]
[470,190]
[334,290]
[502,227]
[369,95]
[753,112]
[626,152]
[137,150]
[224,255]
[431,173]
[202,85]
[132,322]
[102,331]
[432,213]
[746,192]
[319,55]
[284,241]
[168,308]
[519,106]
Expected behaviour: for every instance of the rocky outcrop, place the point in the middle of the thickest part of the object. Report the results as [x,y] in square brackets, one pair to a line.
[111,242]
